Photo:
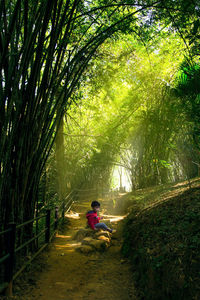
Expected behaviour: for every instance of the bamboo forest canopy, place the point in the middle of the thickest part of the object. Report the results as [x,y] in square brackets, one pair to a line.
[96,85]
[128,115]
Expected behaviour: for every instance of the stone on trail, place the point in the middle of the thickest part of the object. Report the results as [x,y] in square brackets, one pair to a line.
[103,233]
[87,241]
[103,238]
[92,241]
[99,245]
[82,233]
[85,249]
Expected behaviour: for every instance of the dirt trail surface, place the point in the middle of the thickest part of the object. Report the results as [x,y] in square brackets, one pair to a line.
[71,275]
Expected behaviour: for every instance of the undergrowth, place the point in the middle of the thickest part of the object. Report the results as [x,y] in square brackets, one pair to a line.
[162,241]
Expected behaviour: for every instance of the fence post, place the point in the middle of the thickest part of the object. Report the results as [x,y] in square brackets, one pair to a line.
[56,218]
[11,261]
[48,218]
[63,211]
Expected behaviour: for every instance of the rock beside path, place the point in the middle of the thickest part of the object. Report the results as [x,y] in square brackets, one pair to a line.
[85,249]
[103,238]
[103,233]
[92,241]
[82,233]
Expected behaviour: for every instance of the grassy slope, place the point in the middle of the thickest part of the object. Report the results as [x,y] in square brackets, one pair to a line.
[162,240]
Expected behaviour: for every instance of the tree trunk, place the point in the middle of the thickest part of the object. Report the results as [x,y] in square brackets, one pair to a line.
[61,186]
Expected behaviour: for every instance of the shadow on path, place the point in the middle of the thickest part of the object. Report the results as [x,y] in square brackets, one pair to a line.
[71,275]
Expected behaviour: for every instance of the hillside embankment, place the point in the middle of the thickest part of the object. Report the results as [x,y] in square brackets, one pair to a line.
[162,240]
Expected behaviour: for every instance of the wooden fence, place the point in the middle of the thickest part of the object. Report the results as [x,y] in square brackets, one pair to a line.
[51,220]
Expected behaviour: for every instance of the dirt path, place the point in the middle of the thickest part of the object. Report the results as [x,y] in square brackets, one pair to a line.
[71,275]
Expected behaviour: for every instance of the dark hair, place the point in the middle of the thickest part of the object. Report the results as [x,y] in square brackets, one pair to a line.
[95,204]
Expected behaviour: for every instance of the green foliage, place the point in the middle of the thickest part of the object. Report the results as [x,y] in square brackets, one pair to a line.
[188,90]
[127,115]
